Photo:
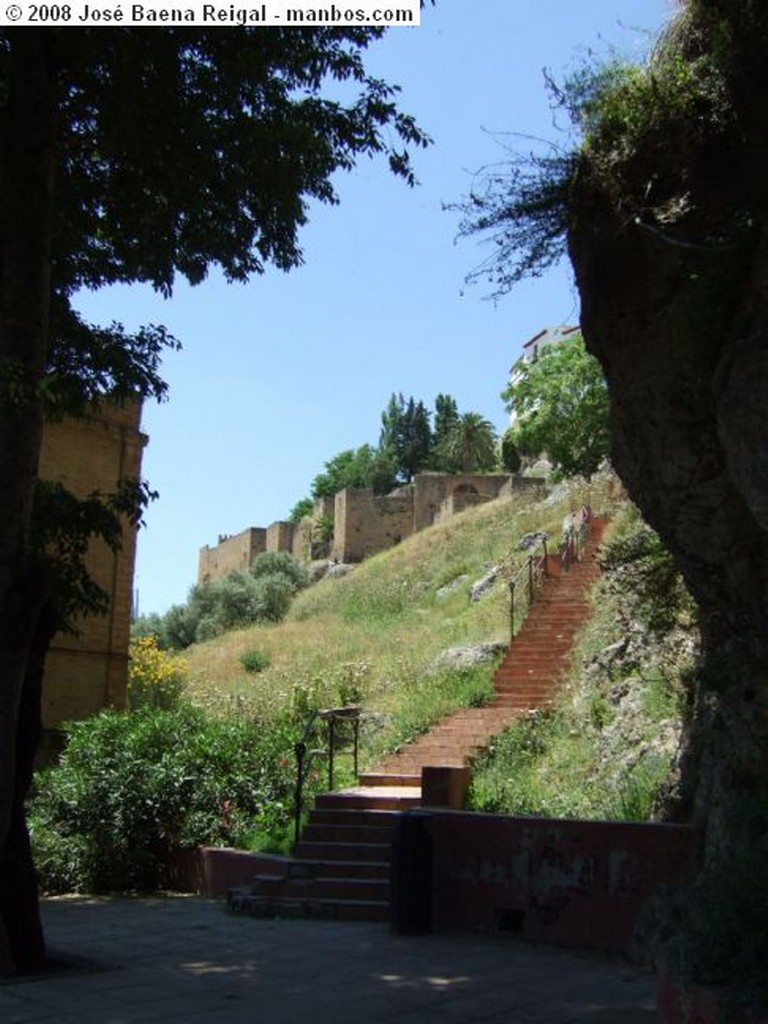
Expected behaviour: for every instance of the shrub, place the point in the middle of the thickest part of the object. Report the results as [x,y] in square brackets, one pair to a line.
[208,628]
[274,593]
[154,678]
[510,456]
[179,628]
[324,528]
[270,563]
[238,600]
[133,788]
[254,660]
[148,625]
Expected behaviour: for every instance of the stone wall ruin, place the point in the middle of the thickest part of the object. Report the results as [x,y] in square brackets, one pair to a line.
[364,523]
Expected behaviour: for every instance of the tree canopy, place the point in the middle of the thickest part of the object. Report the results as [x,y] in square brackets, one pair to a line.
[469,444]
[136,156]
[356,467]
[406,436]
[560,404]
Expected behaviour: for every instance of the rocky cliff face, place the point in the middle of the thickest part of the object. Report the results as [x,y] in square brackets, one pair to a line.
[669,240]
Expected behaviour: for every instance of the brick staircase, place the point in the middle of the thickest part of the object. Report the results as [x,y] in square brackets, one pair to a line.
[340,867]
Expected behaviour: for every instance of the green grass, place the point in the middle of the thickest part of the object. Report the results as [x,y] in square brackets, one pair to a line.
[373,637]
[607,750]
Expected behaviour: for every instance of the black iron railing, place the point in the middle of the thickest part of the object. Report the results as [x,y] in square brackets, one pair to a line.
[524,585]
[576,530]
[327,733]
[527,581]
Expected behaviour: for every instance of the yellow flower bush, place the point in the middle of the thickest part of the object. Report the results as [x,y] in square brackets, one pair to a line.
[155,678]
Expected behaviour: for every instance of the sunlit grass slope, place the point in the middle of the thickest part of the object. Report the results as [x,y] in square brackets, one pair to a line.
[373,637]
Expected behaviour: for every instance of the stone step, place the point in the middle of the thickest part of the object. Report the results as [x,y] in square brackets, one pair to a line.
[350,833]
[380,778]
[357,816]
[244,902]
[384,798]
[370,869]
[324,851]
[323,888]
[511,702]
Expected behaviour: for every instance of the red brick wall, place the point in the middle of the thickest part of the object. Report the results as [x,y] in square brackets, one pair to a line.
[567,883]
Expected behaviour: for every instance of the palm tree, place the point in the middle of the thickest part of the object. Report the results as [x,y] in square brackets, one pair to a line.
[471,444]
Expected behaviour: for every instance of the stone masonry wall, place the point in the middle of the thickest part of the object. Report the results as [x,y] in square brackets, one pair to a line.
[86,672]
[431,489]
[365,524]
[231,554]
[280,536]
[301,540]
[459,502]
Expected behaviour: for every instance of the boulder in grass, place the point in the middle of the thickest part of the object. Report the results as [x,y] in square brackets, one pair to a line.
[483,586]
[469,656]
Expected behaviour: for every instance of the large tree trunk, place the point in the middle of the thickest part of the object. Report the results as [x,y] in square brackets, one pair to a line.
[676,310]
[19,902]
[26,161]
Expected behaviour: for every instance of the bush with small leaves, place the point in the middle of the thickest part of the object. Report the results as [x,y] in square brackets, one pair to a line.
[180,624]
[283,562]
[254,660]
[133,788]
[274,595]
[238,600]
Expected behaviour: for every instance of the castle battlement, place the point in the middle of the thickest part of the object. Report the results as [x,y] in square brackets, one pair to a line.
[363,523]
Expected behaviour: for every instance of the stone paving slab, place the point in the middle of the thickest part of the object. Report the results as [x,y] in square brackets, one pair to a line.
[184,959]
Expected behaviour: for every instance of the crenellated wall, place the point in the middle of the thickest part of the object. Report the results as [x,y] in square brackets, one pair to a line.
[364,523]
[231,554]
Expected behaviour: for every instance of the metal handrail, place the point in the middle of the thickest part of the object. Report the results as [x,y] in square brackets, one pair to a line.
[532,573]
[535,569]
[303,760]
[332,717]
[575,537]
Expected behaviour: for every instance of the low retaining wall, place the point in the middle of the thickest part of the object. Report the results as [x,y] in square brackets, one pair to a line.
[566,883]
[213,870]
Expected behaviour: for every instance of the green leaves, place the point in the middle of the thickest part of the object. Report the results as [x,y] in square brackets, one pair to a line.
[560,401]
[469,445]
[182,149]
[356,467]
[133,788]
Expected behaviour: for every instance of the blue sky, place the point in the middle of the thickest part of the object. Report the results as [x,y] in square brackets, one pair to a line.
[279,375]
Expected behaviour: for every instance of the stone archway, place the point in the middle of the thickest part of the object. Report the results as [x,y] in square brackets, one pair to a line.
[465,489]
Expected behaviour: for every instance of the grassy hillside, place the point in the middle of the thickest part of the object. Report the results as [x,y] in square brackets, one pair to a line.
[131,789]
[374,636]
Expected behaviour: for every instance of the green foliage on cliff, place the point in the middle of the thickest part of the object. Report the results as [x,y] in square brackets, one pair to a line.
[682,91]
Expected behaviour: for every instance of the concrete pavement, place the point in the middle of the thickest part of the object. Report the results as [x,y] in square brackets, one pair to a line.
[184,959]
